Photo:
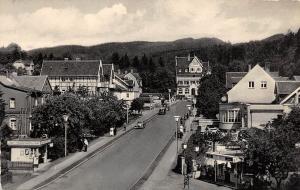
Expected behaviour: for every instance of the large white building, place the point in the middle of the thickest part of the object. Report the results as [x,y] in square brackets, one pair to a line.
[189,71]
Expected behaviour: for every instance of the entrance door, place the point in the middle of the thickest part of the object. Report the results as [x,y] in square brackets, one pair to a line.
[193,91]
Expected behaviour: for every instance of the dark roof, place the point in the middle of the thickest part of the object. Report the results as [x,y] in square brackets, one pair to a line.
[33,82]
[12,83]
[287,87]
[137,76]
[71,68]
[233,77]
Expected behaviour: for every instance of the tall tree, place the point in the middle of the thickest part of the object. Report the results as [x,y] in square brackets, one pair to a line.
[115,58]
[161,62]
[209,94]
[135,62]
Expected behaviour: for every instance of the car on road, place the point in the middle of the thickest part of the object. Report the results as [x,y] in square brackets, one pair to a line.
[162,111]
[140,125]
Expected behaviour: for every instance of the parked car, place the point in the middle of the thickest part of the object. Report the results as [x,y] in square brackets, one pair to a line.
[162,111]
[140,125]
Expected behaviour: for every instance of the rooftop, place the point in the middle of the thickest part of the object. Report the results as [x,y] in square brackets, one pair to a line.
[71,67]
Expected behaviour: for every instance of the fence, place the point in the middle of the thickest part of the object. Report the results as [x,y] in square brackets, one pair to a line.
[20,166]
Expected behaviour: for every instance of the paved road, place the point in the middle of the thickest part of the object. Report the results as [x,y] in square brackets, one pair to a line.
[120,166]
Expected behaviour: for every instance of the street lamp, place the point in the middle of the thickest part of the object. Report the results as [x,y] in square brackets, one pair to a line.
[176,134]
[169,95]
[189,108]
[66,117]
[150,96]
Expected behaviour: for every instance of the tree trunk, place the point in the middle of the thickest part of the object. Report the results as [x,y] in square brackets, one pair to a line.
[278,183]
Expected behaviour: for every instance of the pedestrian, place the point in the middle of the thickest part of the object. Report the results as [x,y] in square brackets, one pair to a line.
[115,130]
[86,143]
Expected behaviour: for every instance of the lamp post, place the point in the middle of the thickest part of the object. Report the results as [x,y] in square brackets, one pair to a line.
[150,96]
[176,134]
[66,117]
[127,108]
[169,95]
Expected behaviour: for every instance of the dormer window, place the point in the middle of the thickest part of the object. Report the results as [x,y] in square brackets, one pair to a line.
[179,70]
[251,84]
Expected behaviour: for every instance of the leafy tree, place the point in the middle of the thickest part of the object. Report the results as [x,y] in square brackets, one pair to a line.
[135,62]
[115,58]
[214,136]
[107,112]
[56,91]
[137,104]
[210,92]
[82,91]
[48,118]
[161,62]
[2,108]
[151,65]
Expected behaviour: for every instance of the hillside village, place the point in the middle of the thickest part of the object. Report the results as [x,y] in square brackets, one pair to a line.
[234,104]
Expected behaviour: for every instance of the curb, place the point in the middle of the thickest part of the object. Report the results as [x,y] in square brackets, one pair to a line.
[138,184]
[87,157]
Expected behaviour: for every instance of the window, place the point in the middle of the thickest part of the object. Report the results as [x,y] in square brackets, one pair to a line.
[193,82]
[186,82]
[198,70]
[12,103]
[35,102]
[179,70]
[13,123]
[187,91]
[263,84]
[231,116]
[251,84]
[127,95]
[192,69]
[63,78]
[179,90]
[180,82]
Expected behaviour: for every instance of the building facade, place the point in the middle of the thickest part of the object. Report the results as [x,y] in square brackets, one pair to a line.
[71,74]
[255,98]
[21,94]
[189,71]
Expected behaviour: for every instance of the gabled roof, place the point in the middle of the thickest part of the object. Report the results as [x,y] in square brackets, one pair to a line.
[287,87]
[71,68]
[183,62]
[11,83]
[33,82]
[233,77]
[137,76]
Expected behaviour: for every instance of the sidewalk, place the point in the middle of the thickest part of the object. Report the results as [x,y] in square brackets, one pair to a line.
[163,178]
[54,169]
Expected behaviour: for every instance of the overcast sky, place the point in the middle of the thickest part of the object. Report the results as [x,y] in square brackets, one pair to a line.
[40,23]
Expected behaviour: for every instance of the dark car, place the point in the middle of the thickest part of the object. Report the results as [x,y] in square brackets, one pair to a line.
[140,125]
[162,111]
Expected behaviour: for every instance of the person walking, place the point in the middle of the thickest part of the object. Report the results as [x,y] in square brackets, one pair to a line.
[86,143]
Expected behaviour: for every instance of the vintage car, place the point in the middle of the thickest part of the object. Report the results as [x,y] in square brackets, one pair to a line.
[140,125]
[162,111]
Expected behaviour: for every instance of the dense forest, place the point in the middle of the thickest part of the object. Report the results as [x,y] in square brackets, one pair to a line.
[156,60]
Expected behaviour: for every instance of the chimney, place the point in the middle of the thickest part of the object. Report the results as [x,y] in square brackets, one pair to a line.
[267,66]
[66,59]
[125,71]
[131,70]
[119,71]
[189,57]
[249,67]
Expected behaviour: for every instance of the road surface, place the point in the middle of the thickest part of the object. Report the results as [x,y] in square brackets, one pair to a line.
[121,165]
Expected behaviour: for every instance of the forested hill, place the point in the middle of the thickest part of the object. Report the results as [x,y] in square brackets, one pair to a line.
[136,48]
[156,60]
